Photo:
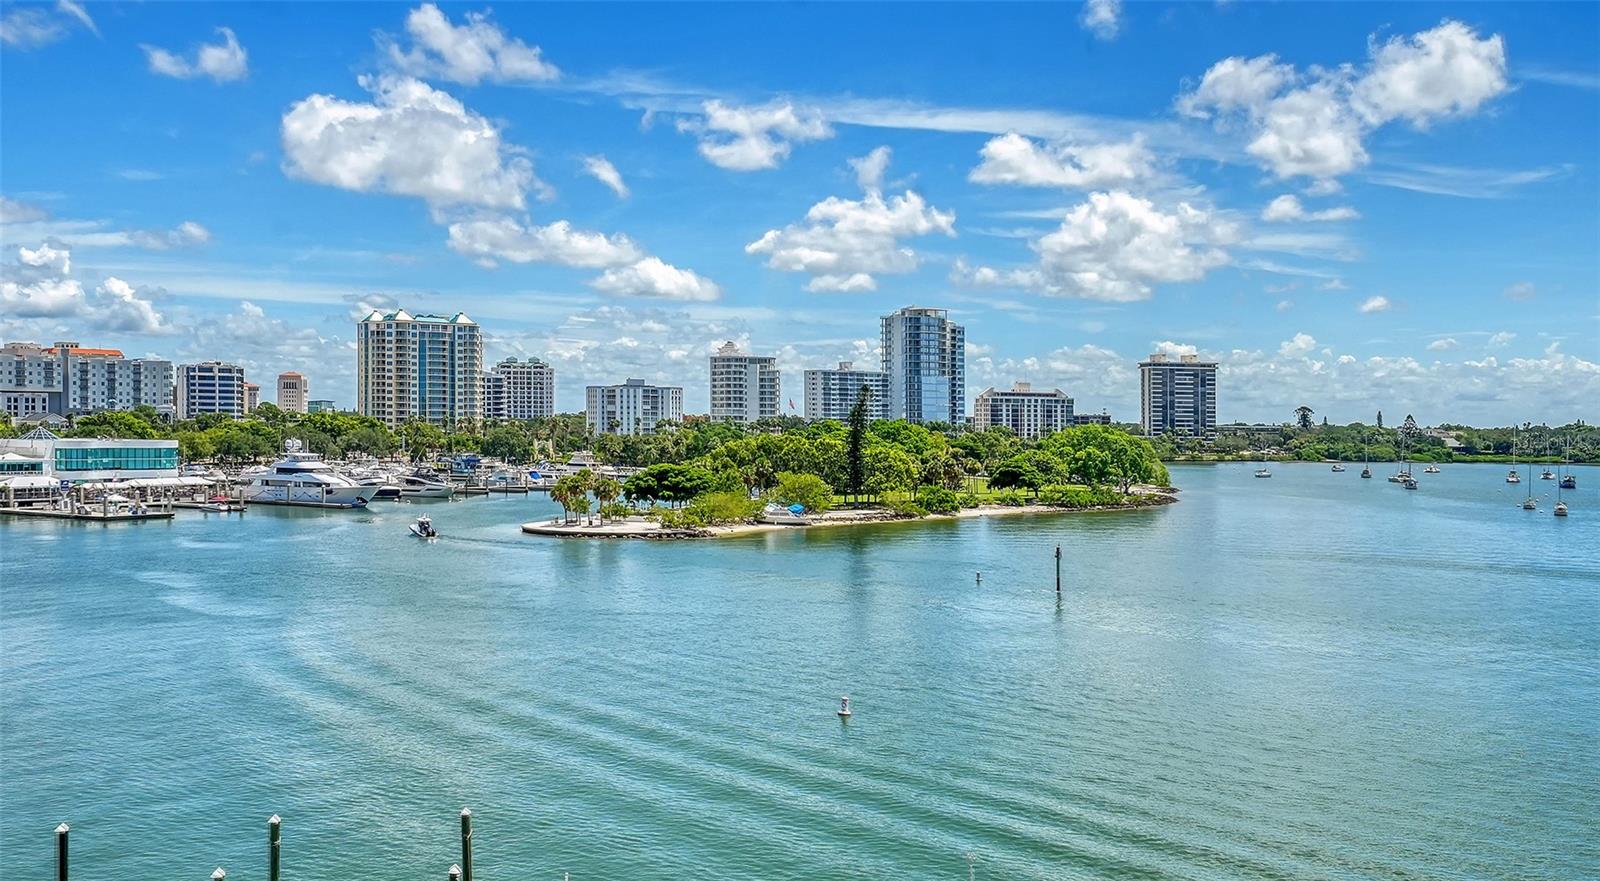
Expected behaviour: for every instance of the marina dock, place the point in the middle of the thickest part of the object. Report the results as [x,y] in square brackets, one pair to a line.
[97,516]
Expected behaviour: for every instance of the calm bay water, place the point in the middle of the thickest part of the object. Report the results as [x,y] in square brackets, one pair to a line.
[1313,676]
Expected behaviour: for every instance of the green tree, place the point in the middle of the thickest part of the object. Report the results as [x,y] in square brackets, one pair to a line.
[806,490]
[606,491]
[855,449]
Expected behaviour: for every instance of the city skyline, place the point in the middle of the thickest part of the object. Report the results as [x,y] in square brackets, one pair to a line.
[1150,187]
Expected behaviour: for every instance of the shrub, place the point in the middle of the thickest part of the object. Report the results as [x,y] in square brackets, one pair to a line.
[1010,498]
[1060,496]
[678,518]
[725,507]
[615,511]
[906,508]
[970,500]
[938,500]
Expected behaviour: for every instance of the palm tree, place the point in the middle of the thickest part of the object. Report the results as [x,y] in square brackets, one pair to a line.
[606,491]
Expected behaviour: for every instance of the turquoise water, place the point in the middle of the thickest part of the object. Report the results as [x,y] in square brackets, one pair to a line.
[1313,676]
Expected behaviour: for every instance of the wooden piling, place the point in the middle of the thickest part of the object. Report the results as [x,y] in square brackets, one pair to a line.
[466,844]
[274,835]
[61,852]
[1058,568]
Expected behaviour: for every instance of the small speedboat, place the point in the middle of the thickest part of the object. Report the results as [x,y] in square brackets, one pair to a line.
[844,707]
[1431,469]
[423,528]
[1263,472]
[1338,469]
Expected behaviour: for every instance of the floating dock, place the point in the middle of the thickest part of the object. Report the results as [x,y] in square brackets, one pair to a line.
[96,516]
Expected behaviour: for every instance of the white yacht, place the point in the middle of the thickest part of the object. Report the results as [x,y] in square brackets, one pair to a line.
[425,484]
[302,478]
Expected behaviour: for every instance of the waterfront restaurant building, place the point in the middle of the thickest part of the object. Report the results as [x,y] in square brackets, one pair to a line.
[744,387]
[1029,414]
[38,464]
[1178,397]
[633,407]
[426,367]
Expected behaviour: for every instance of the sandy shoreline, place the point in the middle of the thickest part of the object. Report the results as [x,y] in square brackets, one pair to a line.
[638,527]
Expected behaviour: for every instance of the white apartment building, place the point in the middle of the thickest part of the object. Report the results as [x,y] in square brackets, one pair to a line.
[516,389]
[633,407]
[294,390]
[67,378]
[831,394]
[212,387]
[925,361]
[1178,397]
[1029,414]
[744,387]
[425,367]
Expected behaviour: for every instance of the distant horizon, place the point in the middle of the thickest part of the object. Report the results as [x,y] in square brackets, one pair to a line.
[1380,206]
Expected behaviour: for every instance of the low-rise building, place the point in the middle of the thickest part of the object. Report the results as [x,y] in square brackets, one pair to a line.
[1029,414]
[634,407]
[319,405]
[39,464]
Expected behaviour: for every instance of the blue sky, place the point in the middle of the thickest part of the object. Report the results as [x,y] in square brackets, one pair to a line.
[1352,206]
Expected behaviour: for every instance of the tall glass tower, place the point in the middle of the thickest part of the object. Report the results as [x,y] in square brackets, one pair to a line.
[925,365]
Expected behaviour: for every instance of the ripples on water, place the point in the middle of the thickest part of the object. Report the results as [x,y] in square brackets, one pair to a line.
[1313,676]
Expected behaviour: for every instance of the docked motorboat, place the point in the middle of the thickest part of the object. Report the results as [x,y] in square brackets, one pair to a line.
[794,515]
[383,480]
[221,505]
[423,528]
[425,484]
[302,478]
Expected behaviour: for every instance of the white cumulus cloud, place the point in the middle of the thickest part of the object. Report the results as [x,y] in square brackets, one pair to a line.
[1288,208]
[651,277]
[844,243]
[1375,304]
[466,53]
[1443,344]
[222,62]
[410,140]
[1103,18]
[1314,124]
[1116,246]
[1014,159]
[756,137]
[503,238]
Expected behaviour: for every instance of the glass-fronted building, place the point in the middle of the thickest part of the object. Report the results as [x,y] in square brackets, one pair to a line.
[925,366]
[82,459]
